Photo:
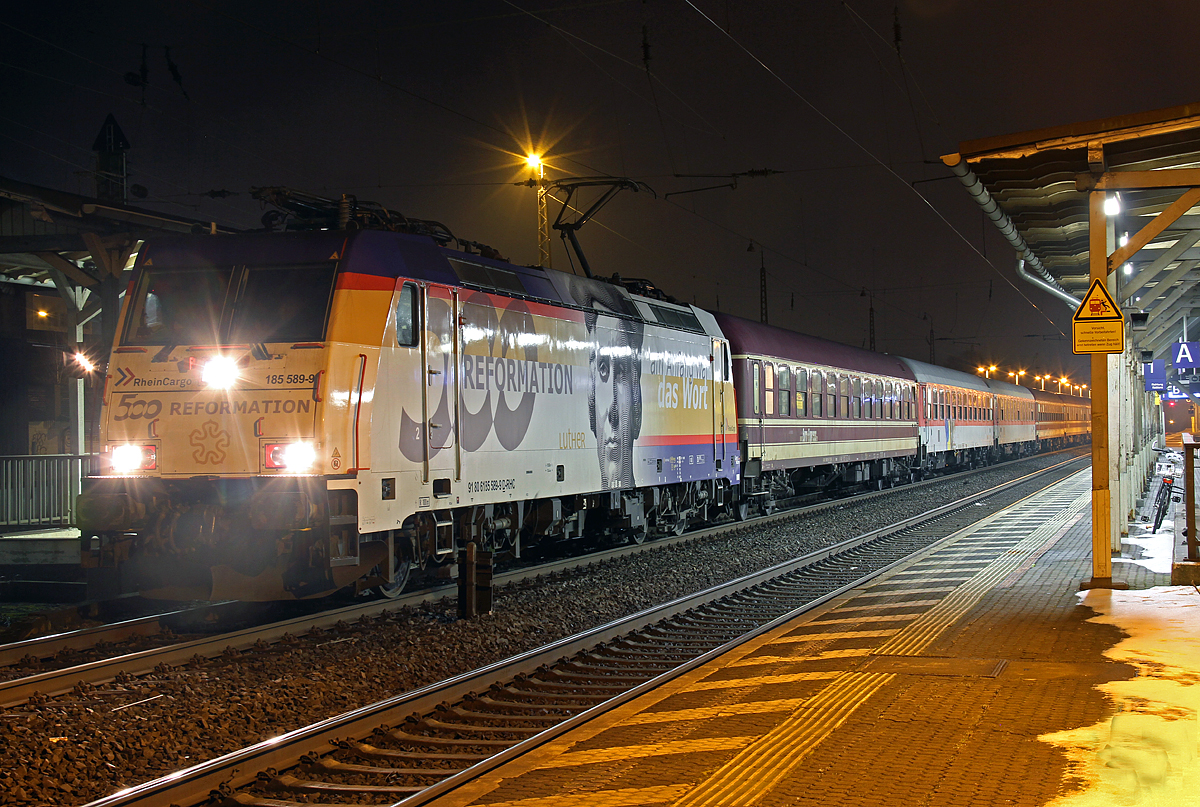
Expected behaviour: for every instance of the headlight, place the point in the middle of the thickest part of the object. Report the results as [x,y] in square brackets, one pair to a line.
[220,372]
[291,457]
[129,458]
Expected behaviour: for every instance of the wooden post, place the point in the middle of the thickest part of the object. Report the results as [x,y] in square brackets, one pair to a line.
[1189,486]
[1101,502]
[466,582]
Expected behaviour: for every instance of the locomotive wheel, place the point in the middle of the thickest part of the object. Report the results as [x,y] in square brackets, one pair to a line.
[638,536]
[401,574]
[741,510]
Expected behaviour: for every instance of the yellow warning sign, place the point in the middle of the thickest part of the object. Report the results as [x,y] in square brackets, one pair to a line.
[1098,304]
[1098,325]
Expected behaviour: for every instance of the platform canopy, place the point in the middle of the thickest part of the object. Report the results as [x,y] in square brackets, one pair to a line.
[1035,185]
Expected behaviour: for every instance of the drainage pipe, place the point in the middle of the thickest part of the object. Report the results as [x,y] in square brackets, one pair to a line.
[991,208]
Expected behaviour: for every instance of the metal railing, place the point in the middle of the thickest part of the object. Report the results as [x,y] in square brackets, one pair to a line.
[40,490]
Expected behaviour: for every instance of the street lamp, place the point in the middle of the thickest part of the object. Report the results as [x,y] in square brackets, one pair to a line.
[534,161]
[987,371]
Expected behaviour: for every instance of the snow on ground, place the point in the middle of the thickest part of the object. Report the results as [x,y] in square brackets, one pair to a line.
[1155,546]
[1147,753]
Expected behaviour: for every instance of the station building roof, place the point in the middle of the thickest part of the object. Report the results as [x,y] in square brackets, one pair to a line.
[1029,184]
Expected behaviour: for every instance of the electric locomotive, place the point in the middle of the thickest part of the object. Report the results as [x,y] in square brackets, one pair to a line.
[286,414]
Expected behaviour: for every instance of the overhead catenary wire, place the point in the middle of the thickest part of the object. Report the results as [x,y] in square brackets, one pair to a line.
[881,163]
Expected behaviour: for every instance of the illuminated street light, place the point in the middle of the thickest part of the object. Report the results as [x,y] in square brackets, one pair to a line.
[1112,205]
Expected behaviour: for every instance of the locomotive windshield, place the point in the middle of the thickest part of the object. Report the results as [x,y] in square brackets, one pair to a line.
[223,305]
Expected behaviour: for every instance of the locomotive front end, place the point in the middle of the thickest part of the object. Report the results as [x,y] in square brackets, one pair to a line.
[215,478]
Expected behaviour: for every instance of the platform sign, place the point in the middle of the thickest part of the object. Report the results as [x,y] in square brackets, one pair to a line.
[1185,355]
[1155,374]
[1098,325]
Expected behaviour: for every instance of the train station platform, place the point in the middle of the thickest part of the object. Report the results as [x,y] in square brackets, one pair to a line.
[976,674]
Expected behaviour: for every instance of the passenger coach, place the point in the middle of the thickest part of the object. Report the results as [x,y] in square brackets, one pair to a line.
[812,412]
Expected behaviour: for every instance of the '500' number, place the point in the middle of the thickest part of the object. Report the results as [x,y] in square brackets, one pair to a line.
[129,409]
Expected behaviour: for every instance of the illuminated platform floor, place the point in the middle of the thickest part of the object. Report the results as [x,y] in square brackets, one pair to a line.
[975,675]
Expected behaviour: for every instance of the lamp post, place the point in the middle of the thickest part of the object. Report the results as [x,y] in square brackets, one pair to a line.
[534,161]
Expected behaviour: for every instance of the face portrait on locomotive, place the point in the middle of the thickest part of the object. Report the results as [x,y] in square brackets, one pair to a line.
[615,393]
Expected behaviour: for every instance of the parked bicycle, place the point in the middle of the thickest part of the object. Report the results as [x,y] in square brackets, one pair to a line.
[1162,500]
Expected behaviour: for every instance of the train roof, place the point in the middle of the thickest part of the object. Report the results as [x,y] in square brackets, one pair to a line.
[1004,388]
[755,338]
[385,254]
[1046,396]
[932,374]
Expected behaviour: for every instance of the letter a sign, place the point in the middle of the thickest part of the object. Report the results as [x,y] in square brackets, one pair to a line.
[1098,325]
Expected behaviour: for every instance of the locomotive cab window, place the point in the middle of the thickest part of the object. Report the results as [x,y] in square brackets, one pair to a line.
[178,306]
[407,316]
[222,304]
[282,304]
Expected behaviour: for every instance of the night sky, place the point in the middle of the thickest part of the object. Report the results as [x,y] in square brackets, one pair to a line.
[427,108]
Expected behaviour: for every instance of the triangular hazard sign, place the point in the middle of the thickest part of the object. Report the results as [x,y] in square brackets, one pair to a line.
[1098,304]
[333,257]
[335,453]
[149,262]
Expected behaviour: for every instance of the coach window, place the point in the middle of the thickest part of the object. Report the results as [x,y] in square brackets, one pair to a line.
[856,392]
[785,391]
[801,391]
[831,395]
[757,385]
[407,316]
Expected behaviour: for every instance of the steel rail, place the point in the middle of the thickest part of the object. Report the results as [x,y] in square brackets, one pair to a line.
[57,682]
[239,768]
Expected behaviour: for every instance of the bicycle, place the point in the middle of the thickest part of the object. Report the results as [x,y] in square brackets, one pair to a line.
[1165,489]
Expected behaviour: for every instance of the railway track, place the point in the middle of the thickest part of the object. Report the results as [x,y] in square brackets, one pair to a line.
[52,683]
[418,745]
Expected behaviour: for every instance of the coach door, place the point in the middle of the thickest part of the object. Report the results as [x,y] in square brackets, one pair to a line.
[442,462]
